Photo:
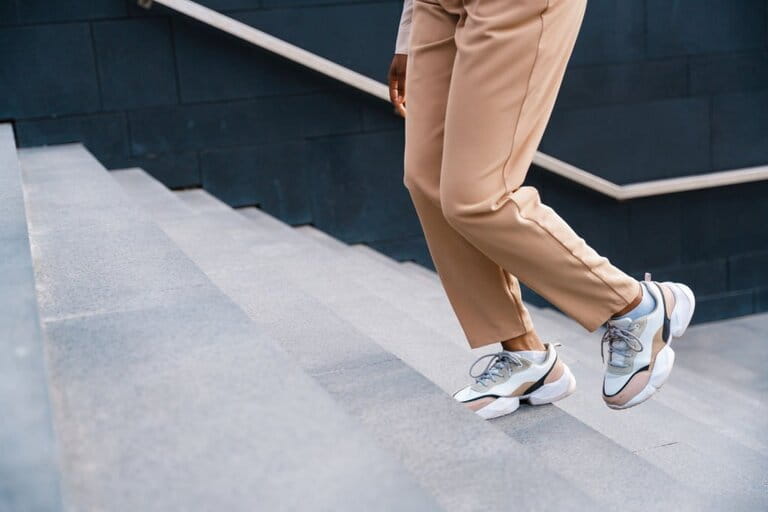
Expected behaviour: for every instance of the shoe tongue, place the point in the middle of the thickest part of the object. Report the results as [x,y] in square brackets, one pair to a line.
[531,356]
[618,359]
[622,323]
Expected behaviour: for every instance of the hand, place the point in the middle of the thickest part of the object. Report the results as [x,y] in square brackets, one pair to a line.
[396,78]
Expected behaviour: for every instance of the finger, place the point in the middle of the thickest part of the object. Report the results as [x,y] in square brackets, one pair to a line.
[392,79]
[393,91]
[400,106]
[401,87]
[400,109]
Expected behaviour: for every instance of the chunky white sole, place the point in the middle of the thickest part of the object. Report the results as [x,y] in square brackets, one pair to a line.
[685,304]
[665,359]
[546,394]
[553,391]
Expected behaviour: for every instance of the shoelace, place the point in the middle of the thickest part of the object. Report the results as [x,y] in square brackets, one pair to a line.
[620,343]
[499,362]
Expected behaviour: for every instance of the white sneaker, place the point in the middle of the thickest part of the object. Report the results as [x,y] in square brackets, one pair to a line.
[509,378]
[640,357]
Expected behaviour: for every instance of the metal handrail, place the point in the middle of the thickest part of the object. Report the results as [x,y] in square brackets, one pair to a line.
[380,90]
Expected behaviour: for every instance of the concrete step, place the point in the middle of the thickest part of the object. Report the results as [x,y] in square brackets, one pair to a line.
[723,407]
[199,200]
[415,295]
[317,275]
[29,474]
[414,268]
[711,440]
[735,348]
[663,430]
[464,462]
[166,395]
[321,238]
[745,418]
[739,376]
[741,417]
[428,287]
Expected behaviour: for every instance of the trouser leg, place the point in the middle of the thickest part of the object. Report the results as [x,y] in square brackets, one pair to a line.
[486,299]
[509,64]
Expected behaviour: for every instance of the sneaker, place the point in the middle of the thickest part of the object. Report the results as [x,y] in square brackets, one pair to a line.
[640,357]
[509,378]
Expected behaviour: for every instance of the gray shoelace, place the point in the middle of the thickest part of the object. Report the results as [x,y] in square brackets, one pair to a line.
[621,344]
[499,362]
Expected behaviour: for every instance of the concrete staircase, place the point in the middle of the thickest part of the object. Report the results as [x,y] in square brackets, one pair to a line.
[202,358]
[29,476]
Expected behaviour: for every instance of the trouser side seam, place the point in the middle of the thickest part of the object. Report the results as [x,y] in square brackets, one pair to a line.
[518,303]
[525,97]
[560,242]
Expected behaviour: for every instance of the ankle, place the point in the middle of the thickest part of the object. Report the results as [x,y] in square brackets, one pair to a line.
[528,341]
[632,305]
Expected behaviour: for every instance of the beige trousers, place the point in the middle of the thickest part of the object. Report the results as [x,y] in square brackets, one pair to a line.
[481,83]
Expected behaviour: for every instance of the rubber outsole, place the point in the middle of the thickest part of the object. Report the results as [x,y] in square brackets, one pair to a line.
[662,367]
[546,394]
[554,391]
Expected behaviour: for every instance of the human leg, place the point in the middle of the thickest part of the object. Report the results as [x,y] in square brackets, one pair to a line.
[484,296]
[509,64]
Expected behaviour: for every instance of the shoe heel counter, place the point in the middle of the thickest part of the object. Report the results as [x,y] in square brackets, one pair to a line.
[669,300]
[557,371]
[668,304]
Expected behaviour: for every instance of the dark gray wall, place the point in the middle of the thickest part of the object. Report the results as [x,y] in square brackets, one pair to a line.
[655,88]
[664,88]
